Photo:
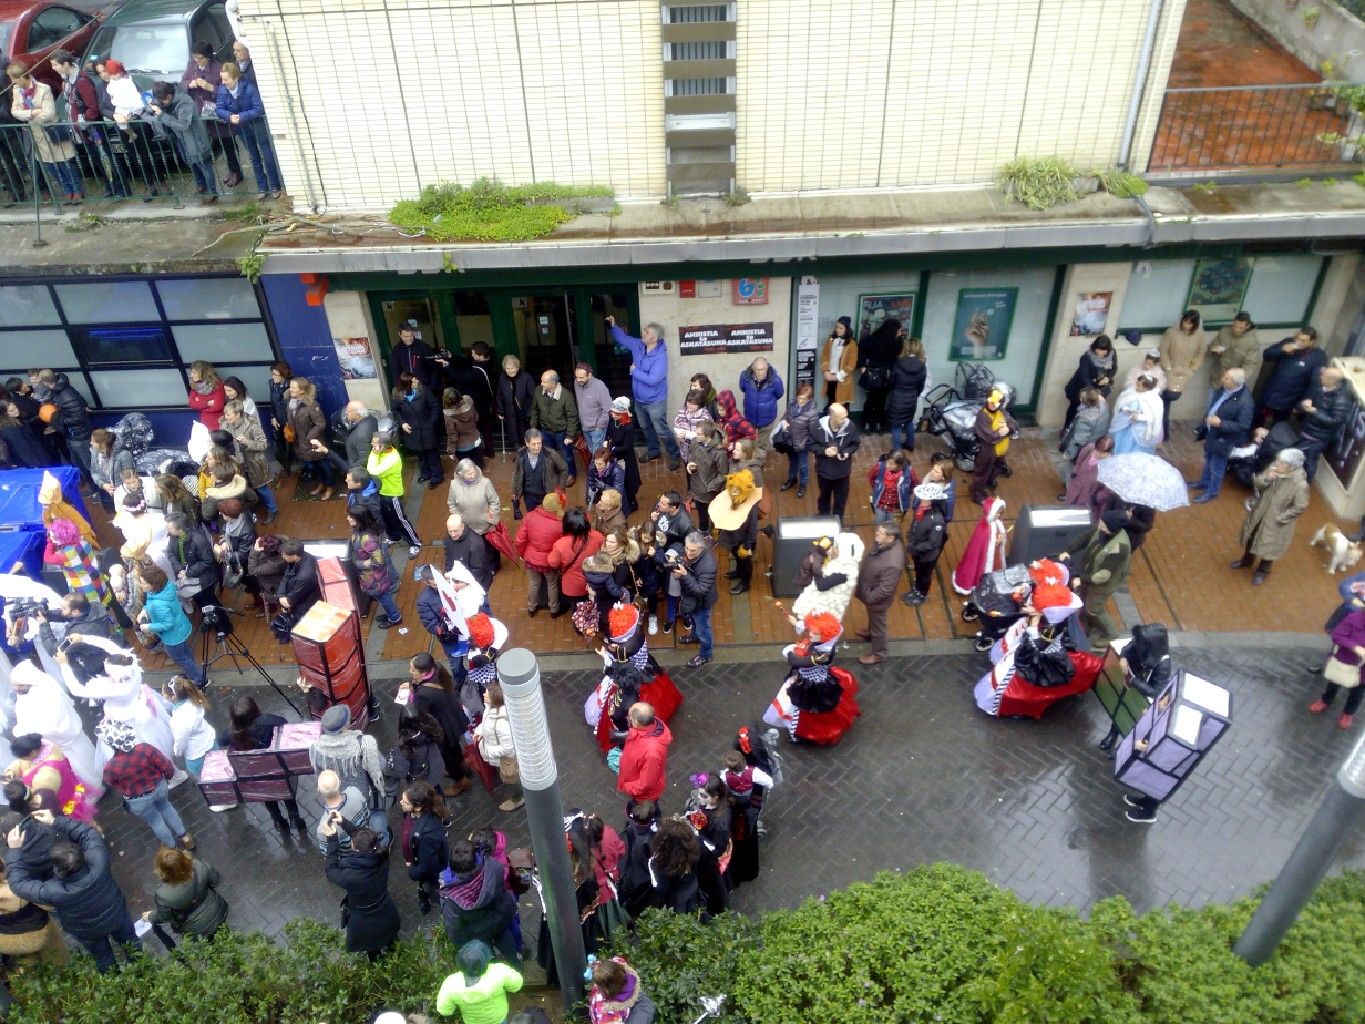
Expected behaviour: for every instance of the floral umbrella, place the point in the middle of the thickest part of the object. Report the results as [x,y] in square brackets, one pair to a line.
[1143,479]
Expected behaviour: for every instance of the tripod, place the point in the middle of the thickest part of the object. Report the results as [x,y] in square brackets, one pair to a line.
[218,642]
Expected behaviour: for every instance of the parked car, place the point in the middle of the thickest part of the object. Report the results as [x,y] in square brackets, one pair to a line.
[29,32]
[152,38]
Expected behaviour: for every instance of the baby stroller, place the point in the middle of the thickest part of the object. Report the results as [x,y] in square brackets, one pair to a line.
[1245,461]
[996,602]
[950,410]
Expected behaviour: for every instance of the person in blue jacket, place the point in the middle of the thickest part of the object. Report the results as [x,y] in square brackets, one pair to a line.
[239,104]
[1295,365]
[649,382]
[762,389]
[161,614]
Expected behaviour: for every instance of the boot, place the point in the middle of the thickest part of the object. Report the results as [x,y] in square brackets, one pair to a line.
[301,827]
[423,901]
[281,827]
[1262,571]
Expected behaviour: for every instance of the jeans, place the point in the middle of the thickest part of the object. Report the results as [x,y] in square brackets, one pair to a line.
[267,496]
[65,174]
[180,653]
[204,178]
[1168,398]
[701,628]
[256,137]
[390,606]
[798,467]
[555,439]
[658,431]
[103,952]
[903,435]
[1211,479]
[156,810]
[595,439]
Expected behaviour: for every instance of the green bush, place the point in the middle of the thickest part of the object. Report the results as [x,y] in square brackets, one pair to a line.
[1040,184]
[941,945]
[488,211]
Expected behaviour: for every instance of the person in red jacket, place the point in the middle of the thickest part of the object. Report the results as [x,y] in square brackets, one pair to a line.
[566,557]
[535,541]
[206,395]
[644,759]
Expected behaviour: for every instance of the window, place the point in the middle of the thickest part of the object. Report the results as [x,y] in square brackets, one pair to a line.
[1281,287]
[1156,294]
[698,86]
[214,31]
[719,50]
[695,13]
[156,50]
[52,26]
[1278,293]
[127,344]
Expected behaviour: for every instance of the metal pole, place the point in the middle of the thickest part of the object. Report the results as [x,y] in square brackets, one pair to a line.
[1140,83]
[1340,811]
[520,678]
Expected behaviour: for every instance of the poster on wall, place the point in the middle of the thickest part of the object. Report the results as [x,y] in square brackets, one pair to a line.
[1218,287]
[807,329]
[718,339]
[356,356]
[981,326]
[874,310]
[751,291]
[1092,314]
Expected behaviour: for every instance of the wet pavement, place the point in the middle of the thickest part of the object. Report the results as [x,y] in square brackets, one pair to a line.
[923,776]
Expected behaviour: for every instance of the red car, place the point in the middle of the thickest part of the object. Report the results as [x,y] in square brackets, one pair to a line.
[29,32]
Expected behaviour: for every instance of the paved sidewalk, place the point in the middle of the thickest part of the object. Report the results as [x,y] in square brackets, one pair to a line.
[923,776]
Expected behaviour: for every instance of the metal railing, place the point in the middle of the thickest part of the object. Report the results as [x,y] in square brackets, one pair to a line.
[113,163]
[1258,127]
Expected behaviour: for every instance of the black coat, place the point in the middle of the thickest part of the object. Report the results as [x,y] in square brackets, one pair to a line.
[476,380]
[428,848]
[423,415]
[1087,375]
[1234,427]
[488,916]
[473,552]
[372,916]
[450,715]
[513,404]
[927,535]
[417,360]
[1291,376]
[300,583]
[621,440]
[26,450]
[89,903]
[1330,409]
[699,585]
[75,419]
[907,382]
[847,441]
[192,554]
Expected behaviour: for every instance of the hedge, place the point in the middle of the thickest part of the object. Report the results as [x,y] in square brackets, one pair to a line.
[942,945]
[939,945]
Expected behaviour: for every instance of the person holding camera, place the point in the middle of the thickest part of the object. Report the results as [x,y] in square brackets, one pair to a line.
[695,572]
[368,912]
[80,617]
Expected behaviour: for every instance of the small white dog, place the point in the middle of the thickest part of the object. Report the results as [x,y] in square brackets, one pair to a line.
[1341,553]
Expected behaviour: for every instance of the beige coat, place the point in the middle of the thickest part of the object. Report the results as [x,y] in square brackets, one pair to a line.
[848,361]
[43,112]
[476,502]
[1269,526]
[1239,353]
[1181,355]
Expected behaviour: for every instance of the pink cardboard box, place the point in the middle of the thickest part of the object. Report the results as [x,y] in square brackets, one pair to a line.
[217,781]
[293,741]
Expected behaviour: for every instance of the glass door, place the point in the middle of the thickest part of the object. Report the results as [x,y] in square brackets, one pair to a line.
[397,311]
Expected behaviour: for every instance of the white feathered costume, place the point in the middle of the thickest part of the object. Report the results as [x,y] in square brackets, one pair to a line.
[843,559]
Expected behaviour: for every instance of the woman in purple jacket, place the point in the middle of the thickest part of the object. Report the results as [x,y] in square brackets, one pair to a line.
[1344,667]
[239,105]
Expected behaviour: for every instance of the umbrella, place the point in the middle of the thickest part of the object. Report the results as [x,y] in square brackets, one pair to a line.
[1142,479]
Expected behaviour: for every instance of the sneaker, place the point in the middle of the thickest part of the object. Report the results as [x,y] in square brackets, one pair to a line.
[180,776]
[653,625]
[701,660]
[668,626]
[384,622]
[220,808]
[912,598]
[1141,817]
[414,550]
[1317,707]
[982,643]
[512,805]
[690,638]
[1346,721]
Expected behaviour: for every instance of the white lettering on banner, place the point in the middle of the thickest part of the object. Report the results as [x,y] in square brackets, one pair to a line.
[711,339]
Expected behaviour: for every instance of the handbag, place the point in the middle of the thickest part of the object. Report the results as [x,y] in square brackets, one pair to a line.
[58,133]
[874,378]
[508,770]
[781,440]
[1338,672]
[586,617]
[188,588]
[290,434]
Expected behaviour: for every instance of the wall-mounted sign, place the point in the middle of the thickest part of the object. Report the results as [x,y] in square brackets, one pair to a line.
[356,358]
[981,328]
[714,339]
[750,291]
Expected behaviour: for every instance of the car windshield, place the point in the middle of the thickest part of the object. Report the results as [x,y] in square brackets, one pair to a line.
[158,50]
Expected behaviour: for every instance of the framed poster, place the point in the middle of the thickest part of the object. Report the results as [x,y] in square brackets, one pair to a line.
[1217,288]
[874,310]
[1091,315]
[981,326]
[356,358]
[717,339]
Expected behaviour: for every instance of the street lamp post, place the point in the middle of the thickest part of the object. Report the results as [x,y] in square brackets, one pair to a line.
[520,678]
[1307,865]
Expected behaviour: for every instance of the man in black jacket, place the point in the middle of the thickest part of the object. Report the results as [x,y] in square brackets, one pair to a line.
[74,420]
[834,440]
[1226,425]
[360,428]
[696,575]
[476,376]
[1324,414]
[298,588]
[81,892]
[416,358]
[464,545]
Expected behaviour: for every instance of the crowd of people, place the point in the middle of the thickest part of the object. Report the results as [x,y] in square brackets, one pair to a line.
[625,572]
[100,130]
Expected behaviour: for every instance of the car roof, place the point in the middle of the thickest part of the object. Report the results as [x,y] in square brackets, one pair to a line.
[18,8]
[138,11]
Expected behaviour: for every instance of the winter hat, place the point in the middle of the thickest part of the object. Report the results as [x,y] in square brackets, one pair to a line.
[480,630]
[114,67]
[65,532]
[554,505]
[1132,335]
[1116,519]
[822,626]
[1289,456]
[622,620]
[116,735]
[621,404]
[847,321]
[335,719]
[49,490]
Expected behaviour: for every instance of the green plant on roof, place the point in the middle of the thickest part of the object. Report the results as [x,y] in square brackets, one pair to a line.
[1121,184]
[489,211]
[1040,184]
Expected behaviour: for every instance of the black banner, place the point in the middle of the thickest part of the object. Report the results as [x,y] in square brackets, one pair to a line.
[714,339]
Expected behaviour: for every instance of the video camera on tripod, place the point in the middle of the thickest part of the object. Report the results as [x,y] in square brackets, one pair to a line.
[217,621]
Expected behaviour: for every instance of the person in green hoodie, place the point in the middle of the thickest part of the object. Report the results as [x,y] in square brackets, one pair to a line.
[479,990]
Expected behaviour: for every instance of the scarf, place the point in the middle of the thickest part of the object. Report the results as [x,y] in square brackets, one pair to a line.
[204,387]
[1107,365]
[464,895]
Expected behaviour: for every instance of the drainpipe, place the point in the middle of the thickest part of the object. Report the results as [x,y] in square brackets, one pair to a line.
[1140,82]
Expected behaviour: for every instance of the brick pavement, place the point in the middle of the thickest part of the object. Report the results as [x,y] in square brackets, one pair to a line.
[923,776]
